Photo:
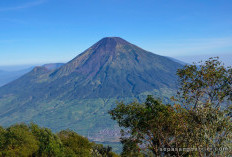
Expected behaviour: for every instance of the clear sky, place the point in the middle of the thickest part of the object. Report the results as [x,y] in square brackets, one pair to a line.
[44,31]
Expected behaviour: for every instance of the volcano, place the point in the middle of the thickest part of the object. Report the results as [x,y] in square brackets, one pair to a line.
[78,94]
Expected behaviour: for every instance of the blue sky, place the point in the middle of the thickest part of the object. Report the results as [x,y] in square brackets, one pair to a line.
[44,31]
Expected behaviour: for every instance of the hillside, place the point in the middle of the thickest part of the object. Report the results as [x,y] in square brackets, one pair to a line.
[8,76]
[78,94]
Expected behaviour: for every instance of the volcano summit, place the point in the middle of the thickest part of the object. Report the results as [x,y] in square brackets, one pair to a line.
[78,94]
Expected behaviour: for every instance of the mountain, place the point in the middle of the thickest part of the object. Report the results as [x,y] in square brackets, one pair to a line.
[78,94]
[8,76]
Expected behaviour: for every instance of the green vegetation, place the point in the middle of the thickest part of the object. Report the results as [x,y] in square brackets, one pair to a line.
[30,140]
[197,124]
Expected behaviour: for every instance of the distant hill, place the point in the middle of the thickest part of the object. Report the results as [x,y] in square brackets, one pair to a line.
[52,66]
[8,76]
[78,94]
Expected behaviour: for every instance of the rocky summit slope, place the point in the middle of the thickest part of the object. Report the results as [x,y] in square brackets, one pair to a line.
[78,94]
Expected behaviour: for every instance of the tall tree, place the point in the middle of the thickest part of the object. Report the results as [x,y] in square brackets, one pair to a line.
[206,92]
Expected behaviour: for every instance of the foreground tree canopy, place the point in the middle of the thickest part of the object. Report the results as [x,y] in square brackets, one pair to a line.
[30,140]
[197,123]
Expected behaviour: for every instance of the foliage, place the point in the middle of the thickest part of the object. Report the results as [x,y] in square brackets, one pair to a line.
[148,127]
[99,150]
[199,119]
[207,84]
[130,148]
[17,140]
[75,143]
[206,92]
[49,143]
[31,140]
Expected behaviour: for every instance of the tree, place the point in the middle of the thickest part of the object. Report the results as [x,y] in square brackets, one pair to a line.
[49,143]
[17,140]
[206,93]
[199,119]
[98,150]
[149,127]
[74,143]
